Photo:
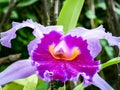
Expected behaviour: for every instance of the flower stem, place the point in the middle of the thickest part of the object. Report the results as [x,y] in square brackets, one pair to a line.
[64,86]
[110,62]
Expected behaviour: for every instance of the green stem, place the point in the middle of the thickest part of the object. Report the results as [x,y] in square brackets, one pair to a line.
[64,86]
[110,62]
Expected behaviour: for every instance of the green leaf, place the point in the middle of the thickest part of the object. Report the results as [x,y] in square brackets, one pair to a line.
[21,81]
[24,3]
[61,88]
[4,1]
[98,21]
[31,16]
[109,50]
[79,87]
[101,5]
[2,67]
[117,10]
[70,13]
[90,15]
[29,83]
[110,62]
[42,85]
[13,86]
[119,1]
[14,15]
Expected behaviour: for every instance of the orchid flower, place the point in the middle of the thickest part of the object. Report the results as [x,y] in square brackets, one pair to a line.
[55,56]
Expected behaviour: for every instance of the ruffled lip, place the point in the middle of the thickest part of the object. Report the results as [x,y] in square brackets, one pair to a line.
[63,69]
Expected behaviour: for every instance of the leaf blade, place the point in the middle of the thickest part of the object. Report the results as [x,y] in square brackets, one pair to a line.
[12,86]
[79,87]
[31,83]
[70,13]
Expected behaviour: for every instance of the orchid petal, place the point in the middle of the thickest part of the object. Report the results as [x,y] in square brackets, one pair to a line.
[48,29]
[94,47]
[18,70]
[49,67]
[93,36]
[101,83]
[38,31]
[6,37]
[112,40]
[97,33]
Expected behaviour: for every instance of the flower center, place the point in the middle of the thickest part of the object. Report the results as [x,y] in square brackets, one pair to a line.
[63,53]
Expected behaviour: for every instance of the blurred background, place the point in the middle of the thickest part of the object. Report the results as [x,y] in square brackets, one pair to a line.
[46,12]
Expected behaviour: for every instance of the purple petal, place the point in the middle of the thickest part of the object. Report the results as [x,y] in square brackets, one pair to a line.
[97,33]
[93,36]
[94,47]
[38,31]
[18,70]
[84,64]
[50,68]
[43,60]
[112,40]
[101,83]
[6,37]
[48,29]
[32,45]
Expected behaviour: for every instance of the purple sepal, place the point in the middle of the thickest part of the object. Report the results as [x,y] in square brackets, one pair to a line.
[7,36]
[38,31]
[18,70]
[93,36]
[112,40]
[101,83]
